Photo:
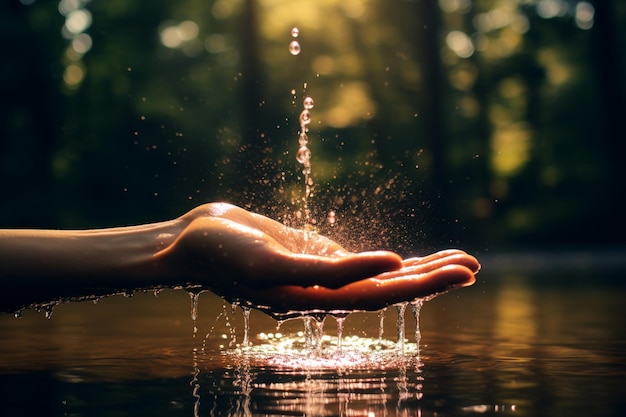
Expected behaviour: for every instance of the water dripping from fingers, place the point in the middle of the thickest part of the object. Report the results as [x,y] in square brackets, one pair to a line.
[340,319]
[416,306]
[381,323]
[195,296]
[400,326]
[246,326]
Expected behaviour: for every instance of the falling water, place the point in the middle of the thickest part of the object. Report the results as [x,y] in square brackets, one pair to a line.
[416,306]
[294,46]
[303,155]
[194,295]
[381,323]
[340,318]
[246,326]
[400,309]
[194,383]
[313,333]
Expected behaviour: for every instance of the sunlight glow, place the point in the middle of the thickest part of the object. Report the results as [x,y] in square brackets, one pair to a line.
[175,35]
[455,6]
[352,103]
[78,21]
[73,75]
[551,8]
[584,15]
[510,148]
[460,43]
[82,43]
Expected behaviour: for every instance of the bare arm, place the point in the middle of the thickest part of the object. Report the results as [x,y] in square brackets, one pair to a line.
[42,265]
[236,254]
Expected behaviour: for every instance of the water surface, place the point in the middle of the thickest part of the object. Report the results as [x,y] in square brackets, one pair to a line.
[528,344]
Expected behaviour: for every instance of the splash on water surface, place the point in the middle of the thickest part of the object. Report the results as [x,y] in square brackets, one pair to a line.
[352,352]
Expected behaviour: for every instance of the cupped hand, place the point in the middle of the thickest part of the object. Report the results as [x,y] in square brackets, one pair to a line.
[259,262]
[423,277]
[225,247]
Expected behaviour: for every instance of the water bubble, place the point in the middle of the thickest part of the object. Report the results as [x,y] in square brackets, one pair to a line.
[308,103]
[295,32]
[305,117]
[303,139]
[304,155]
[294,48]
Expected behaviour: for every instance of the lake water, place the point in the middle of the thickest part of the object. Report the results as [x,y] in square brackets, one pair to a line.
[523,341]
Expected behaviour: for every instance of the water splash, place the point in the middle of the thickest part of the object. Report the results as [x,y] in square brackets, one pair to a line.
[314,333]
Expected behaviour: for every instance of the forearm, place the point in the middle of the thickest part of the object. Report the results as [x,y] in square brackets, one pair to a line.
[38,266]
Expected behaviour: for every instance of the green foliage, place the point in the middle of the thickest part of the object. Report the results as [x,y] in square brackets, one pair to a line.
[435,123]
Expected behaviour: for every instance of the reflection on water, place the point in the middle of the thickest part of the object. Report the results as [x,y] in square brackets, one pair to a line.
[524,345]
[367,377]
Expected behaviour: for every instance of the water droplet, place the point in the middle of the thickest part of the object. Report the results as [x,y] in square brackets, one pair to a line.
[308,102]
[304,155]
[295,32]
[331,217]
[294,48]
[303,140]
[18,314]
[305,117]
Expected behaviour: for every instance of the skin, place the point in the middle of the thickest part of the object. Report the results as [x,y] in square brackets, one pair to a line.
[241,256]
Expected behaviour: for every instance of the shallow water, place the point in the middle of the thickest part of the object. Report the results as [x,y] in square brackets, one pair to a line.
[528,344]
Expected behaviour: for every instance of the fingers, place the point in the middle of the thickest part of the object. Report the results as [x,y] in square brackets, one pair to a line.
[366,295]
[445,257]
[332,272]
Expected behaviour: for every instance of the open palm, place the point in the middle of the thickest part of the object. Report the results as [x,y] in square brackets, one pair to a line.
[257,261]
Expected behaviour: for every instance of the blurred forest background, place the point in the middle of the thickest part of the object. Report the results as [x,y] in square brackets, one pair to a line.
[482,124]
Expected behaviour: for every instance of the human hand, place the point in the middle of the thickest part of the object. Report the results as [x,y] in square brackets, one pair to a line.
[226,247]
[259,262]
[423,277]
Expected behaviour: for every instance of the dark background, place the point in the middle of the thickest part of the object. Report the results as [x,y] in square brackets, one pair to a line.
[480,124]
